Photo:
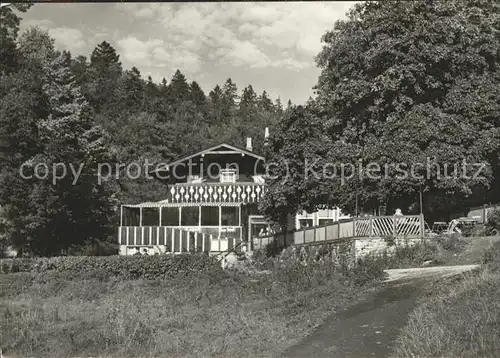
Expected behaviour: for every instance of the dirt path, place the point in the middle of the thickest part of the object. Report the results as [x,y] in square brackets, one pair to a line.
[368,328]
[427,272]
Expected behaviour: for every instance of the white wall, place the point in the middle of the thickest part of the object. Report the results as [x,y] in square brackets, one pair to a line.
[333,214]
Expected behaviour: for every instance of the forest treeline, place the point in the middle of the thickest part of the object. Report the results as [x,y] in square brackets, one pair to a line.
[409,83]
[59,108]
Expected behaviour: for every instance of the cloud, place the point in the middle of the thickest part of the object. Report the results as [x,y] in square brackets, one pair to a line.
[68,38]
[248,35]
[43,23]
[135,50]
[155,53]
[243,53]
[145,12]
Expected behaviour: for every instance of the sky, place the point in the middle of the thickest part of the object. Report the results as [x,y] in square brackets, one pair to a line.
[270,45]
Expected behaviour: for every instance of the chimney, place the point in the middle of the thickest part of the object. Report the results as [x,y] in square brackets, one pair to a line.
[266,136]
[249,144]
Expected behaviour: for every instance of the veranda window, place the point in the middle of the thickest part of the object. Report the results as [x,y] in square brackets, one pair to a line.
[210,216]
[131,216]
[169,216]
[150,216]
[230,216]
[190,216]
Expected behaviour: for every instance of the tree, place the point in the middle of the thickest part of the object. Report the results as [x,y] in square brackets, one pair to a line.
[130,91]
[278,106]
[46,216]
[397,73]
[104,72]
[9,28]
[36,47]
[151,96]
[229,99]
[248,99]
[22,104]
[79,67]
[265,102]
[298,150]
[76,211]
[179,88]
[197,95]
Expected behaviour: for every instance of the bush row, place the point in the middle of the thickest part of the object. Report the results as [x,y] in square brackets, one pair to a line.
[493,225]
[125,267]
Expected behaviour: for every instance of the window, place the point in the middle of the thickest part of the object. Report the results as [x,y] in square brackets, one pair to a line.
[259,230]
[230,216]
[170,216]
[228,176]
[131,216]
[150,216]
[190,216]
[305,223]
[210,216]
[323,222]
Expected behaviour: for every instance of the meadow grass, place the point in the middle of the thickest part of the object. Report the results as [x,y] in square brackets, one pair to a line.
[460,317]
[228,313]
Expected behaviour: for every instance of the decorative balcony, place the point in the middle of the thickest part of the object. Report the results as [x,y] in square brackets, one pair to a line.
[215,194]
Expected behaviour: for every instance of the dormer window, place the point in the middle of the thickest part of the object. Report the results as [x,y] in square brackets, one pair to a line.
[228,176]
[194,179]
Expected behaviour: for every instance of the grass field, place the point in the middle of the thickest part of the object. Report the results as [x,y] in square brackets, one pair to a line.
[218,314]
[461,316]
[235,313]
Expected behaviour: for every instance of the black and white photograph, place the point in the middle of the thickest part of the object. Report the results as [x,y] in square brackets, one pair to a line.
[250,179]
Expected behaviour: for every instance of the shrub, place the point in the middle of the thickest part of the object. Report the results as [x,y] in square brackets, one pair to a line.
[274,248]
[493,225]
[410,255]
[124,267]
[367,269]
[491,258]
[455,243]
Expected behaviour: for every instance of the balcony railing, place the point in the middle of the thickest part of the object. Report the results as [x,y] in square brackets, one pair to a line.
[210,193]
[408,226]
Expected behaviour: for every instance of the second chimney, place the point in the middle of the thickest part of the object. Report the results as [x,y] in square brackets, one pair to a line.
[249,144]
[266,137]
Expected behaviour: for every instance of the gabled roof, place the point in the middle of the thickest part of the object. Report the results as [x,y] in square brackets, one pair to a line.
[231,149]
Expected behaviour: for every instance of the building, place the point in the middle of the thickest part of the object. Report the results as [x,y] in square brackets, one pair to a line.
[212,205]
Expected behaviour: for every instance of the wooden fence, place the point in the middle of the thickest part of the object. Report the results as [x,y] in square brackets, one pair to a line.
[407,226]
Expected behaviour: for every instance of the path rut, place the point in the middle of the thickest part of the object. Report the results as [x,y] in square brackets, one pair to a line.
[369,328]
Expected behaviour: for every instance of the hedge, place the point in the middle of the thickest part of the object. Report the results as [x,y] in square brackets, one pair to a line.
[126,267]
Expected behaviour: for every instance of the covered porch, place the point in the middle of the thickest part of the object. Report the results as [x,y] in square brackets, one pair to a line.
[179,228]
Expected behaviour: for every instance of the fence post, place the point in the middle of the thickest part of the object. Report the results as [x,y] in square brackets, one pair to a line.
[338,229]
[304,235]
[394,226]
[314,239]
[422,226]
[371,226]
[354,227]
[326,231]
